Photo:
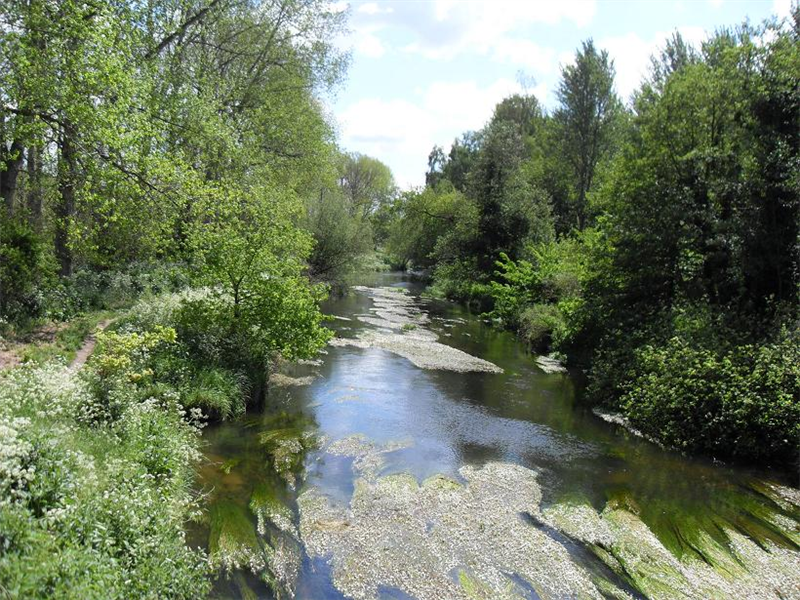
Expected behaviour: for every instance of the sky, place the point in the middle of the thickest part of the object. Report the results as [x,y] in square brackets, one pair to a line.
[422,72]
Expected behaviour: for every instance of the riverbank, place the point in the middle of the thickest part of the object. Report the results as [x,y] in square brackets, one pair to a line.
[100,445]
[422,452]
[95,482]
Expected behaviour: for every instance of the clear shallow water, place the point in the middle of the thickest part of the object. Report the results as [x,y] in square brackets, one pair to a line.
[447,420]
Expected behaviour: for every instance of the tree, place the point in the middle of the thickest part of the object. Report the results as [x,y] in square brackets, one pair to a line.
[340,238]
[510,208]
[251,257]
[456,165]
[676,55]
[366,182]
[585,121]
[523,111]
[422,218]
[701,210]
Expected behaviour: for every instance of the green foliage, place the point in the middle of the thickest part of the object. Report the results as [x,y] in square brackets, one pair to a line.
[219,393]
[366,182]
[109,502]
[23,271]
[144,124]
[542,327]
[739,403]
[217,362]
[520,286]
[677,220]
[341,238]
[585,122]
[233,543]
[131,132]
[456,166]
[259,304]
[462,281]
[542,298]
[421,220]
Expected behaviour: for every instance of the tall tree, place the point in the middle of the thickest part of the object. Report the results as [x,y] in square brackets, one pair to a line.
[366,182]
[510,208]
[585,121]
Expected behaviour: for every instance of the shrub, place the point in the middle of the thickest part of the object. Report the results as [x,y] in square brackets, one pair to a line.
[541,326]
[461,281]
[23,271]
[88,289]
[519,286]
[219,393]
[93,510]
[743,402]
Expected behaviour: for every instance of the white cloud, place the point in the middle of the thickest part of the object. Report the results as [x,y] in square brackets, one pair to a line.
[401,132]
[631,55]
[483,27]
[715,3]
[372,8]
[525,53]
[445,29]
[782,8]
[367,43]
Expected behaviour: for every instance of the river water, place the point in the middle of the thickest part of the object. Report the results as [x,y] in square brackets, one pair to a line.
[369,476]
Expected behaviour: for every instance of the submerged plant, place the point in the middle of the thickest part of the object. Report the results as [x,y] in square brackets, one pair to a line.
[232,542]
[286,439]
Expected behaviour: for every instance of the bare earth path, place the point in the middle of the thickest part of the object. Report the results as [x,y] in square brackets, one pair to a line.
[85,351]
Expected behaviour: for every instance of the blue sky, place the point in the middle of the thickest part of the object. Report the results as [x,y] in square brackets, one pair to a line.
[424,71]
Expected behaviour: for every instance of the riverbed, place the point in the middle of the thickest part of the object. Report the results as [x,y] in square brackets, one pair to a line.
[425,454]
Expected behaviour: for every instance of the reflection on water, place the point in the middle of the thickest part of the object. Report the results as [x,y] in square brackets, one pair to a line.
[449,420]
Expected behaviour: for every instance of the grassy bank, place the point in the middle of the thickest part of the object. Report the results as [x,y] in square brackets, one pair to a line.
[95,486]
[97,464]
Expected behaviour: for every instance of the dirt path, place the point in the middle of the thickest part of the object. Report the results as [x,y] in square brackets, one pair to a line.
[85,351]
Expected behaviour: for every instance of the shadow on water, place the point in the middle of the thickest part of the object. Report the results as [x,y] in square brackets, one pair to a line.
[448,420]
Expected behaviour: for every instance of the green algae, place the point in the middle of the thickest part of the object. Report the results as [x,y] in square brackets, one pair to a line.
[698,565]
[232,542]
[227,466]
[245,591]
[400,534]
[286,438]
[267,504]
[477,590]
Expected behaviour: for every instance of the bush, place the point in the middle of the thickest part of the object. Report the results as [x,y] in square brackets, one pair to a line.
[542,299]
[740,403]
[461,281]
[219,393]
[542,327]
[88,289]
[221,355]
[23,271]
[518,287]
[93,509]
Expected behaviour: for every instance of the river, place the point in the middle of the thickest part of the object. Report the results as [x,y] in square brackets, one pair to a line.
[395,467]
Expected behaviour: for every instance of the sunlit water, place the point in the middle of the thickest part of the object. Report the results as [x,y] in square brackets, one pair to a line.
[523,416]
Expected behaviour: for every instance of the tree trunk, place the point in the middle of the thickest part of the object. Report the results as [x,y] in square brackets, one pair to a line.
[12,160]
[65,205]
[35,192]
